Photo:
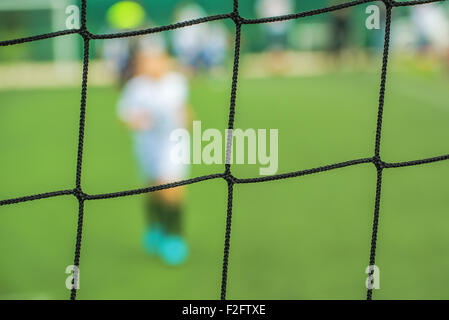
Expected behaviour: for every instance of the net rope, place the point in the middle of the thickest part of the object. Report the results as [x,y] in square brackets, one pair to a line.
[227,174]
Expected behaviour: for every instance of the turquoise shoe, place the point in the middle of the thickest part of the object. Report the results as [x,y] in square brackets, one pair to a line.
[153,239]
[174,250]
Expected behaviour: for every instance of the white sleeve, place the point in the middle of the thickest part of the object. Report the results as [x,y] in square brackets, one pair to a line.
[179,90]
[129,99]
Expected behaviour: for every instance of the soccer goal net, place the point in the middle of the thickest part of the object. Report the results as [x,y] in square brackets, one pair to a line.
[378,164]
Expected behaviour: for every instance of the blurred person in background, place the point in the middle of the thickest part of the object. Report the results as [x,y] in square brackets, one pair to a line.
[432,26]
[202,46]
[121,16]
[341,31]
[277,32]
[152,105]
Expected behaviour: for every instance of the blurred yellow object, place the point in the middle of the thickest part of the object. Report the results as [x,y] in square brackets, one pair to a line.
[126,15]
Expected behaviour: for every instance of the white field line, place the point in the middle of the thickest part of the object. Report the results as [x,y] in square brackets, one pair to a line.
[68,74]
[43,75]
[252,65]
[25,296]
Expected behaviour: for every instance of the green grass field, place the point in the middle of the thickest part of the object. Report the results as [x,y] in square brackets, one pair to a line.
[302,238]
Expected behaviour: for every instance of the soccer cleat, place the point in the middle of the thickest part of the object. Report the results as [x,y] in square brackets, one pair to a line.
[174,250]
[153,239]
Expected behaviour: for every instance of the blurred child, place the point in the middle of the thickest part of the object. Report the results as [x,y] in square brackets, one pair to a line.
[152,105]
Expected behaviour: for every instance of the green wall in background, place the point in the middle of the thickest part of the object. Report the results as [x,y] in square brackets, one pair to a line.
[161,12]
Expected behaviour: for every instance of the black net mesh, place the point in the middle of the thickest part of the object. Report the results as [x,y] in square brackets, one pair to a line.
[227,174]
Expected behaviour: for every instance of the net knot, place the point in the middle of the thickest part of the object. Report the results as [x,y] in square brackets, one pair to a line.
[85,33]
[238,20]
[229,177]
[378,163]
[79,194]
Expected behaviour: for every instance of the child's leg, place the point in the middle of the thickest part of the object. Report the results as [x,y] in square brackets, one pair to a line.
[154,212]
[154,209]
[172,203]
[174,249]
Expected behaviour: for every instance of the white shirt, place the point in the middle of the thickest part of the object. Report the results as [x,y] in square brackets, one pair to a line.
[162,99]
